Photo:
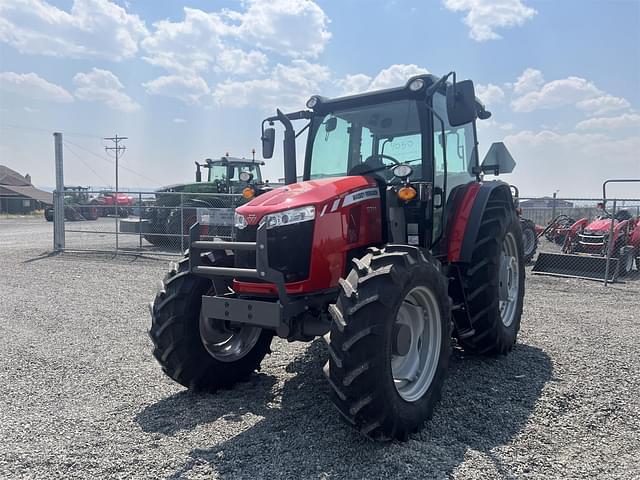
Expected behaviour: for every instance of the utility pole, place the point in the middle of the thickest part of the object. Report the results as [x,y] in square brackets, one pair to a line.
[117,148]
[58,196]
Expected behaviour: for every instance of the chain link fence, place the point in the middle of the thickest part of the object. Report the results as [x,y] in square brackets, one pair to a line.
[142,222]
[570,237]
[582,237]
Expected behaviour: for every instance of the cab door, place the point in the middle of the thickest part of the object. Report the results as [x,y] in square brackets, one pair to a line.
[454,159]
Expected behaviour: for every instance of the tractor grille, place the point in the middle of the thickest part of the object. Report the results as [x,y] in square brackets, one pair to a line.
[587,239]
[289,250]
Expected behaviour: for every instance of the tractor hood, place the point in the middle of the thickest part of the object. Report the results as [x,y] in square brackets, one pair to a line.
[600,225]
[311,192]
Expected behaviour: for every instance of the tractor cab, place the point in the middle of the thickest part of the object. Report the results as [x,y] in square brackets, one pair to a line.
[230,174]
[417,143]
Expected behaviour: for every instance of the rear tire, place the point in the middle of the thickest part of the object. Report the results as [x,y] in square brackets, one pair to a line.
[48,214]
[481,282]
[625,261]
[364,362]
[178,345]
[529,239]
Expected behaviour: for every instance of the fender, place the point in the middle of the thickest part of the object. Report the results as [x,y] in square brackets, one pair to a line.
[635,237]
[470,202]
[620,229]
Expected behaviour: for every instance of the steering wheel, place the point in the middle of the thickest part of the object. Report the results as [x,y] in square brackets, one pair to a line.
[373,166]
[381,156]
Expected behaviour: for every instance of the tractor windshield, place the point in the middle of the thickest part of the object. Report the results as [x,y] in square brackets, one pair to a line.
[366,140]
[231,171]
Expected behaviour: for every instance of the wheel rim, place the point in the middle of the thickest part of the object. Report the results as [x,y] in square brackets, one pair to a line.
[227,341]
[417,337]
[509,281]
[528,238]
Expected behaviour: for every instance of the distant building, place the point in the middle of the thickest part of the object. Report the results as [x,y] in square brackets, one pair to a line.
[544,202]
[18,195]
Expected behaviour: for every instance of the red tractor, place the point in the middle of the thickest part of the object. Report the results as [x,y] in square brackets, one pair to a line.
[389,245]
[586,245]
[110,203]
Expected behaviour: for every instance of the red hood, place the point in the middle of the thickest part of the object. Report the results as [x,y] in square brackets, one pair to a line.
[312,192]
[603,224]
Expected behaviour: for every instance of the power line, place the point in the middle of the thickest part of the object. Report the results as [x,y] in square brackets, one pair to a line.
[109,160]
[66,144]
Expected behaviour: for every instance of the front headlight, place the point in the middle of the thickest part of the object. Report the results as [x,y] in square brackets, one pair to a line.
[288,217]
[239,221]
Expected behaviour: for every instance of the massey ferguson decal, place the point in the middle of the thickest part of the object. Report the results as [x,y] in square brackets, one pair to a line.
[361,196]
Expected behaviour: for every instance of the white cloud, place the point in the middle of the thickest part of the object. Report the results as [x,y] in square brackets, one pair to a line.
[531,79]
[289,27]
[546,160]
[32,86]
[626,120]
[489,94]
[396,76]
[603,103]
[568,91]
[188,88]
[392,76]
[206,41]
[103,86]
[240,62]
[187,46]
[354,83]
[288,86]
[485,15]
[91,29]
[179,120]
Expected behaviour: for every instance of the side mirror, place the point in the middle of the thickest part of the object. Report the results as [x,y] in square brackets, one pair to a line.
[498,160]
[461,103]
[331,124]
[268,142]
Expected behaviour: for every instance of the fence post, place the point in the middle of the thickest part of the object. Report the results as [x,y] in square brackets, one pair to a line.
[140,219]
[610,246]
[58,196]
[181,229]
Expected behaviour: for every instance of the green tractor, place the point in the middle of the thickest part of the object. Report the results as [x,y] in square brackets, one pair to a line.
[77,205]
[229,182]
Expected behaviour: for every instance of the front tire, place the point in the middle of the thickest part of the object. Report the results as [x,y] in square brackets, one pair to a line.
[494,282]
[625,261]
[386,371]
[529,239]
[178,342]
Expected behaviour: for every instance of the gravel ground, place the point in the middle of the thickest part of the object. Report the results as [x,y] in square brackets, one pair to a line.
[81,395]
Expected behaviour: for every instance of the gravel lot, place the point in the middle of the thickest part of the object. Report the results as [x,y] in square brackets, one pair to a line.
[81,395]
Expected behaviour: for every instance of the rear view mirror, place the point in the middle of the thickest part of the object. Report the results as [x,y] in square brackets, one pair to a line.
[268,142]
[498,160]
[461,103]
[331,124]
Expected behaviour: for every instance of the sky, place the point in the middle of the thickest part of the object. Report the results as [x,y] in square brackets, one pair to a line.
[185,81]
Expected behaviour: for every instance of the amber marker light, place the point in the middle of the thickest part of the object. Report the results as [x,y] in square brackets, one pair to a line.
[248,192]
[407,193]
